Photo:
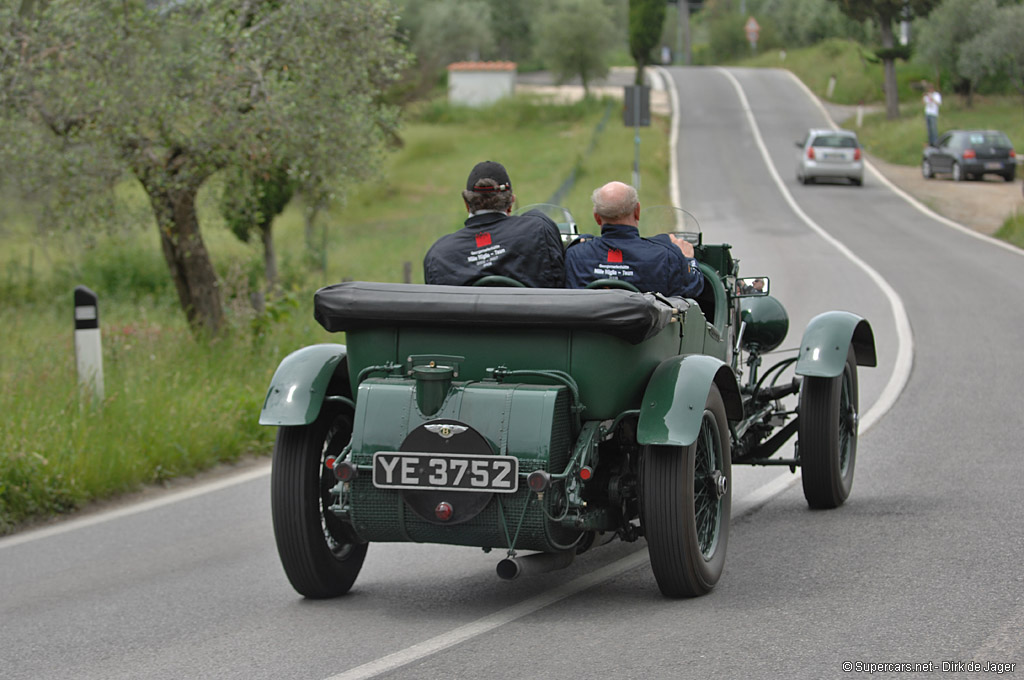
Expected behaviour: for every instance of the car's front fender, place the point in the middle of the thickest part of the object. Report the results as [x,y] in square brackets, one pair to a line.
[674,399]
[827,340]
[300,383]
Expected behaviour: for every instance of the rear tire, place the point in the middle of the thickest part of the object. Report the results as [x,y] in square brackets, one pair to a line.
[926,169]
[686,499]
[828,436]
[320,554]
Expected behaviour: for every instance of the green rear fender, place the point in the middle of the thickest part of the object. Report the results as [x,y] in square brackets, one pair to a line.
[673,405]
[300,383]
[827,340]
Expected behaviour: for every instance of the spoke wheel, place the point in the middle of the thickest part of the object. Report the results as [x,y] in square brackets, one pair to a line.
[828,436]
[320,554]
[686,502]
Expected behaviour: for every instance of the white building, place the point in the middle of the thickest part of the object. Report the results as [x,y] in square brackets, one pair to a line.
[477,83]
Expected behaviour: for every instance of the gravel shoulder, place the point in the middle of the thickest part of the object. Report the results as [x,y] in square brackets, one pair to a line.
[982,205]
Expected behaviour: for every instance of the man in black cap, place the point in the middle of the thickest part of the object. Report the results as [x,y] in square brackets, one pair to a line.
[527,248]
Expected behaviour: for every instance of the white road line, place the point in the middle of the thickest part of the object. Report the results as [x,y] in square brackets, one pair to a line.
[905,342]
[495,620]
[486,624]
[127,511]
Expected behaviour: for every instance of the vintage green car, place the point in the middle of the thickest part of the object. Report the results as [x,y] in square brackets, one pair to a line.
[549,421]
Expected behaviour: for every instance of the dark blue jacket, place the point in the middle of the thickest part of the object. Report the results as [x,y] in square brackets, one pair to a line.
[651,264]
[527,248]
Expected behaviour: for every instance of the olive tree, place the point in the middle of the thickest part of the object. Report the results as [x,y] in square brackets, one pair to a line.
[174,91]
[573,39]
[952,24]
[998,50]
[885,13]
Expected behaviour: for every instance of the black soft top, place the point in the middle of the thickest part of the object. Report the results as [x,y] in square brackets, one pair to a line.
[360,305]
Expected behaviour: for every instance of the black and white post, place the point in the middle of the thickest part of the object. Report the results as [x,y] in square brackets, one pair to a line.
[88,351]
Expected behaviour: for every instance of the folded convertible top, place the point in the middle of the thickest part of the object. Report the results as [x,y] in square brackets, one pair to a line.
[360,305]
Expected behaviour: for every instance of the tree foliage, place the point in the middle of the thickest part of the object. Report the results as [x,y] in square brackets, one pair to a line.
[951,25]
[572,39]
[808,22]
[884,13]
[173,92]
[998,50]
[645,20]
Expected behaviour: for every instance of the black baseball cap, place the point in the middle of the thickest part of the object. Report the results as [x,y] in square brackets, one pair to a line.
[488,170]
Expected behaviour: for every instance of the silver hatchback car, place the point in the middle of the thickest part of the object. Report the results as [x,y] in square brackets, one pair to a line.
[833,154]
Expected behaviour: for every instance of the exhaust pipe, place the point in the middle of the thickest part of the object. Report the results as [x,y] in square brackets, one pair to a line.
[536,563]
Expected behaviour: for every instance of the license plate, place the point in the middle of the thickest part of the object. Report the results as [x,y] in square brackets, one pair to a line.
[993,166]
[447,471]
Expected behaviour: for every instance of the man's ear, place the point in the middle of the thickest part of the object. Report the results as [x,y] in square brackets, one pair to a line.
[636,212]
[597,218]
[466,203]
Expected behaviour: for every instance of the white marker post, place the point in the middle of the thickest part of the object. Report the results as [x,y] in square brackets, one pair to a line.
[88,352]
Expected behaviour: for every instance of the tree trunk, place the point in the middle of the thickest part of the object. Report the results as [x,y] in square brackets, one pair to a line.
[269,256]
[892,95]
[185,253]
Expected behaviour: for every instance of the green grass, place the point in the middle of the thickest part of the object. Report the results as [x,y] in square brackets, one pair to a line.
[858,76]
[1012,230]
[175,405]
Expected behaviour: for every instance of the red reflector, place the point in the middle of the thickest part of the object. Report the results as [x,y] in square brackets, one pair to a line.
[810,154]
[586,473]
[1013,154]
[329,462]
[856,155]
[969,153]
[443,511]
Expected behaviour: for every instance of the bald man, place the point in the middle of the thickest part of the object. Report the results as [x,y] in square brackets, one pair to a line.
[662,263]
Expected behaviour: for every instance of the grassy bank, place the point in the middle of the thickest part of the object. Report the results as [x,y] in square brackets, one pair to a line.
[175,405]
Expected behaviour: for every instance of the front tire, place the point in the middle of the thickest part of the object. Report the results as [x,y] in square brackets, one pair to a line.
[926,169]
[320,554]
[686,501]
[828,436]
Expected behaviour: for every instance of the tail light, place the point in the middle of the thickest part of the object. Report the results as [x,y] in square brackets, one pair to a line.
[810,154]
[1013,154]
[856,154]
[969,153]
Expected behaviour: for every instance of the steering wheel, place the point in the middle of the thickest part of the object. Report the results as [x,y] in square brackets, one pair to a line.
[613,283]
[498,280]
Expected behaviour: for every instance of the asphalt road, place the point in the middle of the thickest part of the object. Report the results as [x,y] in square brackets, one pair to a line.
[922,565]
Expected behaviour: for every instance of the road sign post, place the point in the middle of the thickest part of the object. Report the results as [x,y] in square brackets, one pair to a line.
[753,30]
[636,111]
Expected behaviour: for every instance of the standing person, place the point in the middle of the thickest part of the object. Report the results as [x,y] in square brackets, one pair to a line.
[932,100]
[527,248]
[662,263]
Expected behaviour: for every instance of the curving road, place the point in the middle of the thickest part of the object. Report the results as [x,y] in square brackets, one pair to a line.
[922,565]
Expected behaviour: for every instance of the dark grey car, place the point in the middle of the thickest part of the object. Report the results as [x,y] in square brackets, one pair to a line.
[970,154]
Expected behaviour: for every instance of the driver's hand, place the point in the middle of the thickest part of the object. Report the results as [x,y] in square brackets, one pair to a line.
[682,244]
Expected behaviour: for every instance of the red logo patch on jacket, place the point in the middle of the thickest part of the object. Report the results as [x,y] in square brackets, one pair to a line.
[614,255]
[483,239]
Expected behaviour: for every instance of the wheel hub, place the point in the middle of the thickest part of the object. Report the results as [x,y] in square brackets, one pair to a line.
[720,483]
